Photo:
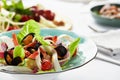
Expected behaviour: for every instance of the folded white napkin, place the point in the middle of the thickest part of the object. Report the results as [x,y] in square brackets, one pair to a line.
[108,43]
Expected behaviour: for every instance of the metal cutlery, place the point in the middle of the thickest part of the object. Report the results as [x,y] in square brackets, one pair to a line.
[105,58]
[96,30]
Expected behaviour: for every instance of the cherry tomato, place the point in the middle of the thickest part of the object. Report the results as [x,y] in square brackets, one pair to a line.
[25,18]
[12,28]
[46,65]
[49,15]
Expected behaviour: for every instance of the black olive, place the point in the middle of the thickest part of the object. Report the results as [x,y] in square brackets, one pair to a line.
[7,57]
[28,39]
[41,56]
[16,61]
[61,51]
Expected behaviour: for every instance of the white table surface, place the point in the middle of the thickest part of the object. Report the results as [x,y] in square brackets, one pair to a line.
[79,14]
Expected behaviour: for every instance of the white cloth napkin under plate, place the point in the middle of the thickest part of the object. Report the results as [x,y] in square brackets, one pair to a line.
[108,43]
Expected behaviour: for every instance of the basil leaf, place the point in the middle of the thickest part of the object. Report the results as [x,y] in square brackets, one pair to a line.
[30,27]
[73,46]
[18,52]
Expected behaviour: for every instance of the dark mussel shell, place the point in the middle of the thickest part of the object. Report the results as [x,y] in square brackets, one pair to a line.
[28,39]
[9,59]
[61,51]
[33,48]
[16,61]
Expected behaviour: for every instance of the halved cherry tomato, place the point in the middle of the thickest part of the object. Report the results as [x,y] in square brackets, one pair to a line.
[46,65]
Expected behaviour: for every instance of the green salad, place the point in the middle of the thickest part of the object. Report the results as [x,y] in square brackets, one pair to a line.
[37,53]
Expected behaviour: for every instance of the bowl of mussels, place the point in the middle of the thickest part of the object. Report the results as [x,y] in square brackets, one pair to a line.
[107,14]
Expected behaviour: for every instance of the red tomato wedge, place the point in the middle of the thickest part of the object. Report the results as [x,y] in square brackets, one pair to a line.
[33,56]
[54,39]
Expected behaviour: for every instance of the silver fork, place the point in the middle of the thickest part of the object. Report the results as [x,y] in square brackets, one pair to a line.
[96,30]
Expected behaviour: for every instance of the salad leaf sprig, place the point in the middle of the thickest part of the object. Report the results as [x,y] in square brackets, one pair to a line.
[31,26]
[18,52]
[16,6]
[73,46]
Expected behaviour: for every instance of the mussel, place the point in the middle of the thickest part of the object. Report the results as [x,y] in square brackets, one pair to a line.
[31,49]
[28,39]
[8,57]
[16,61]
[10,60]
[34,47]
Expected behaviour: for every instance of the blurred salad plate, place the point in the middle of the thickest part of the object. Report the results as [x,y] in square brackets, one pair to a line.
[13,16]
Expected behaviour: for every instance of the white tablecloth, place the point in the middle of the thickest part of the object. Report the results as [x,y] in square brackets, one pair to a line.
[78,13]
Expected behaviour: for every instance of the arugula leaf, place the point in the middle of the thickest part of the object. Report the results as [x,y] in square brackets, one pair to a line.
[72,47]
[30,27]
[18,52]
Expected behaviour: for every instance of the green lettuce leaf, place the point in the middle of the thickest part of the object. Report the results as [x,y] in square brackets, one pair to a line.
[30,27]
[73,46]
[41,40]
[18,52]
